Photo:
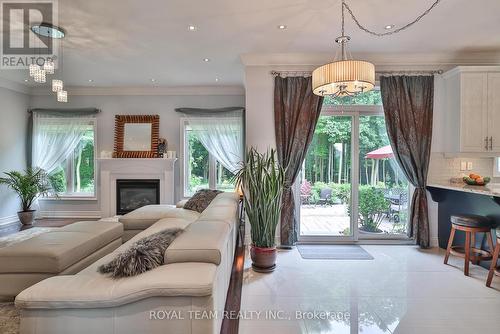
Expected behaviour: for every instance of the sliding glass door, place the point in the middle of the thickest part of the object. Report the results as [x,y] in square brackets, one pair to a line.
[383,190]
[350,186]
[325,190]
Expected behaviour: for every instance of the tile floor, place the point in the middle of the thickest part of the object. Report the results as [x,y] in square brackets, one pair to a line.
[403,290]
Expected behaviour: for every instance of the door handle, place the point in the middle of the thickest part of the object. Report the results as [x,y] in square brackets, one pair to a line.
[491,143]
[486,143]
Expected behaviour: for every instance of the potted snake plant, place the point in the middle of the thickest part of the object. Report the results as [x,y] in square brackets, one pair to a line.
[261,180]
[28,185]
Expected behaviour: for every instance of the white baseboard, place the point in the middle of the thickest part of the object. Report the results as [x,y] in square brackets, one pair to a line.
[69,214]
[9,220]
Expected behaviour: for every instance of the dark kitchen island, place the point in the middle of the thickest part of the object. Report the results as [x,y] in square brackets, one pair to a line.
[456,198]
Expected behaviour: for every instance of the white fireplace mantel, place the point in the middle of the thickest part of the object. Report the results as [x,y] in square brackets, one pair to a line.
[112,169]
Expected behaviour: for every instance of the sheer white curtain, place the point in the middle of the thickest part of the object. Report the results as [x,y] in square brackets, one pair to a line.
[55,138]
[222,136]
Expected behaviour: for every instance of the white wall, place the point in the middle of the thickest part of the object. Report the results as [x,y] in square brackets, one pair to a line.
[13,127]
[163,105]
[259,89]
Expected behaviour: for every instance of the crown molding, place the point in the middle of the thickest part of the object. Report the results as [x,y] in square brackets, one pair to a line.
[146,91]
[378,59]
[14,86]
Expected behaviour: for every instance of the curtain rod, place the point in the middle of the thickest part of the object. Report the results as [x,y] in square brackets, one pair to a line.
[411,72]
[66,110]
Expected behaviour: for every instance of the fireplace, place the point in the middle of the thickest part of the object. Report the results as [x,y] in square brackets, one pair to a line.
[133,194]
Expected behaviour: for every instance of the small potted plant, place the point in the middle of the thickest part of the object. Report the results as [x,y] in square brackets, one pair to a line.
[31,184]
[261,180]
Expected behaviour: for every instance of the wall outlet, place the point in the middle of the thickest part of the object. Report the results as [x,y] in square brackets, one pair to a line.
[469,165]
[463,165]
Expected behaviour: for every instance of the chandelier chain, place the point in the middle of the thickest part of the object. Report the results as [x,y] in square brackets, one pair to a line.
[360,26]
[343,5]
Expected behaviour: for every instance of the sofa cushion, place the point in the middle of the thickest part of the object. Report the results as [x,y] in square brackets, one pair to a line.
[223,213]
[181,203]
[95,291]
[54,251]
[146,216]
[201,242]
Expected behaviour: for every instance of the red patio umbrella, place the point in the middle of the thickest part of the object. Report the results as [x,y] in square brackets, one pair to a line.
[380,153]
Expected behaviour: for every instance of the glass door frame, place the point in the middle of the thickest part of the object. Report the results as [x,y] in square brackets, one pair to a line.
[355,112]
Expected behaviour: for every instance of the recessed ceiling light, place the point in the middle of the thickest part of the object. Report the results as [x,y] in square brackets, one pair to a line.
[48,30]
[90,80]
[282,27]
[26,80]
[206,60]
[389,26]
[192,28]
[153,80]
[216,79]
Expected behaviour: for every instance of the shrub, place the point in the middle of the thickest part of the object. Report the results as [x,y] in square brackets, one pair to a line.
[342,192]
[372,208]
[58,181]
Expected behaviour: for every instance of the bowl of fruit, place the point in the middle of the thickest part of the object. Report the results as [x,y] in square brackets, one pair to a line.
[476,180]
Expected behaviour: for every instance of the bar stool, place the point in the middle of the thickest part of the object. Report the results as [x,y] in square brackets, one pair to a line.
[494,270]
[470,224]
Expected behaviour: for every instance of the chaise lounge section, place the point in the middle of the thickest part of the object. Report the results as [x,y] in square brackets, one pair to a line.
[185,295]
[64,251]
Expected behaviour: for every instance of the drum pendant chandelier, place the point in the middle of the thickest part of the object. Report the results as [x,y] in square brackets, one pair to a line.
[344,77]
[347,77]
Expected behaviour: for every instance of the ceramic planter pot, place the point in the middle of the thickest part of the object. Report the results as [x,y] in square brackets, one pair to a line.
[26,217]
[263,259]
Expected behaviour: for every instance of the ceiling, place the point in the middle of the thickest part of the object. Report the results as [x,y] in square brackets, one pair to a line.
[127,43]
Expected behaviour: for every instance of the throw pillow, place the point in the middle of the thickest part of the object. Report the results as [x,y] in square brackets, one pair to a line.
[143,255]
[201,200]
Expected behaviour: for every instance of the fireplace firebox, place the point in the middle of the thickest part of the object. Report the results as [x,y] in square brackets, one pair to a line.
[133,194]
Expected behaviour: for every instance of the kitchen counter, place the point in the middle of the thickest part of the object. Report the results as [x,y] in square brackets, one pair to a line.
[455,198]
[491,189]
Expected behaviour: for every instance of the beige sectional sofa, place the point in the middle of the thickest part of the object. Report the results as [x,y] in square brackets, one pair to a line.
[173,298]
[64,251]
[142,218]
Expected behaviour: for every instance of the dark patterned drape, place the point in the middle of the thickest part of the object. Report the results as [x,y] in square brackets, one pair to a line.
[408,103]
[296,112]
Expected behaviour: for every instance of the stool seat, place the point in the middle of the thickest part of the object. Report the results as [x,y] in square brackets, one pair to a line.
[470,225]
[471,220]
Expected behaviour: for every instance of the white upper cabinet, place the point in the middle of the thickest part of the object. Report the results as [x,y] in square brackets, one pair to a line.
[473,109]
[494,111]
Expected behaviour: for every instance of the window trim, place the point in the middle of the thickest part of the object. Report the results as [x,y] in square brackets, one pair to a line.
[79,197]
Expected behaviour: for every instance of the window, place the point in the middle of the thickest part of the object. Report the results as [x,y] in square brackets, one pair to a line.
[65,148]
[496,167]
[75,176]
[201,170]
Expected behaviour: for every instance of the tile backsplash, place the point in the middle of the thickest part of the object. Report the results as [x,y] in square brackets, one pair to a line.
[441,169]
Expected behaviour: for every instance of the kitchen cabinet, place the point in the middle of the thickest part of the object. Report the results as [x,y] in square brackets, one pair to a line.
[473,110]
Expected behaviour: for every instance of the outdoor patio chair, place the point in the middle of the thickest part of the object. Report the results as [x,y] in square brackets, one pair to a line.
[399,205]
[325,196]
